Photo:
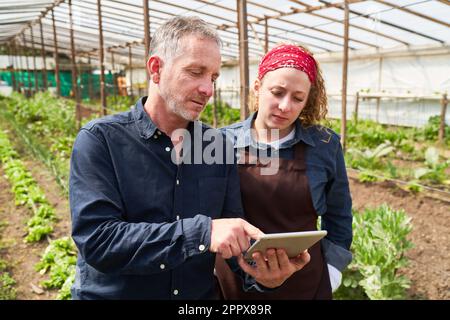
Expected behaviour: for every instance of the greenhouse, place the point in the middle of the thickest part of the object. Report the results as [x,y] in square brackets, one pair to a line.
[386,69]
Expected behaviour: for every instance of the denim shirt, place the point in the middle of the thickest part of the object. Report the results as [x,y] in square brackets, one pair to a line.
[142,224]
[327,177]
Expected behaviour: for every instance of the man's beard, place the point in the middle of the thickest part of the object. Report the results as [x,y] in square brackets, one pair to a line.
[177,108]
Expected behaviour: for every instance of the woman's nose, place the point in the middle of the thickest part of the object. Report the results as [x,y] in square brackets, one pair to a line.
[284,105]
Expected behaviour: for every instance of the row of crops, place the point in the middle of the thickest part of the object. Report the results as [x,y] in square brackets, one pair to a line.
[46,126]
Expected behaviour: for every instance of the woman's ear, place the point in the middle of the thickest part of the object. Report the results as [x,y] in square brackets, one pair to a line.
[256,86]
[154,65]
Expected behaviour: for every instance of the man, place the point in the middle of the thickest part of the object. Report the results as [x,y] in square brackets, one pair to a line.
[147,227]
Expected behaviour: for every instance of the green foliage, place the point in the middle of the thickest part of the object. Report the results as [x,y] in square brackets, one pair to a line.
[369,158]
[120,103]
[379,246]
[26,192]
[367,176]
[225,115]
[413,187]
[7,290]
[434,171]
[431,129]
[59,260]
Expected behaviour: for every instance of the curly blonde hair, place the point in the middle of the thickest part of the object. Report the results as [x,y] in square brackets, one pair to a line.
[316,107]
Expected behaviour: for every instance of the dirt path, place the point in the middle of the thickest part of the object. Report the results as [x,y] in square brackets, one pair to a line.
[429,267]
[21,256]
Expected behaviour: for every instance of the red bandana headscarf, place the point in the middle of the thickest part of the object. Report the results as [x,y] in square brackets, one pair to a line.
[288,56]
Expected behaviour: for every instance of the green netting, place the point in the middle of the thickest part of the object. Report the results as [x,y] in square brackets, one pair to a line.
[84,81]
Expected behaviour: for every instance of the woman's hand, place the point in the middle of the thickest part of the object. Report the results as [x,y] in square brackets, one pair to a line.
[274,270]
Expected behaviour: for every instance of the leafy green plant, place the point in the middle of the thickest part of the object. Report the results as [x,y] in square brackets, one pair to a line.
[431,129]
[59,260]
[7,290]
[435,170]
[379,246]
[370,158]
[367,176]
[26,192]
[413,187]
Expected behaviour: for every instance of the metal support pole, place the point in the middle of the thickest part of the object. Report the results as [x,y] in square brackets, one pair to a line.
[75,91]
[243,57]
[130,64]
[56,55]
[27,64]
[13,76]
[344,79]
[113,67]
[444,103]
[36,83]
[266,35]
[355,115]
[19,65]
[102,58]
[90,93]
[44,63]
[146,38]
[214,106]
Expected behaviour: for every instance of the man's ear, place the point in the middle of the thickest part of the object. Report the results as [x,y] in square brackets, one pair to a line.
[154,65]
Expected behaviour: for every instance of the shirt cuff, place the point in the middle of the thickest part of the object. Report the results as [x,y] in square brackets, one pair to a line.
[197,234]
[335,255]
[335,277]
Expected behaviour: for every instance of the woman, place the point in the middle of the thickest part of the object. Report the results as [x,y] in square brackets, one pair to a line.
[310,180]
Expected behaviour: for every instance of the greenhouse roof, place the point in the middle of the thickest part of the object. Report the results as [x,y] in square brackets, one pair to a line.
[317,24]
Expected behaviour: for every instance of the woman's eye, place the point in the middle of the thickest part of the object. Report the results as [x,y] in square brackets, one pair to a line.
[276,93]
[298,99]
[195,73]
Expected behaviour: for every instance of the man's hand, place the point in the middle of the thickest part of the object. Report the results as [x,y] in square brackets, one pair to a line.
[231,237]
[274,270]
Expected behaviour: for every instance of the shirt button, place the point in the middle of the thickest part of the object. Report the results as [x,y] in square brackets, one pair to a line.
[178,182]
[155,137]
[178,217]
[158,132]
[167,149]
[201,247]
[162,266]
[175,292]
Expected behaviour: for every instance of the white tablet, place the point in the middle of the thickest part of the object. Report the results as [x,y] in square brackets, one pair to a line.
[293,242]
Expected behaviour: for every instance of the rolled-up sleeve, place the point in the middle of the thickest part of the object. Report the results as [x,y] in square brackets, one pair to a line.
[105,240]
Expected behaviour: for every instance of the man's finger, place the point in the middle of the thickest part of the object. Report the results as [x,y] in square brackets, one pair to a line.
[244,242]
[252,231]
[225,252]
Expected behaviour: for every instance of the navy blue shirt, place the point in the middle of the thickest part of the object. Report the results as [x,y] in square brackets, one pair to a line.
[327,177]
[142,224]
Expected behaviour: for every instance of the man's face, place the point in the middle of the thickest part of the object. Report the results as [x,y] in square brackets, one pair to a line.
[187,81]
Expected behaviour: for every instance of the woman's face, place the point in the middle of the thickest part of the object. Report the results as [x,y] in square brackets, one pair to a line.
[282,95]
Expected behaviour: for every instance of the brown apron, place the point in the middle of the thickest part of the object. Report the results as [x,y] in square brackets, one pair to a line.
[279,203]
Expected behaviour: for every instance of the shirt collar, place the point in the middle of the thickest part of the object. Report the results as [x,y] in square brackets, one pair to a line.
[244,138]
[147,127]
[144,123]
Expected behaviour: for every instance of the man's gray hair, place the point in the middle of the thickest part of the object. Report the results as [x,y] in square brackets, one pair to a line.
[165,41]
